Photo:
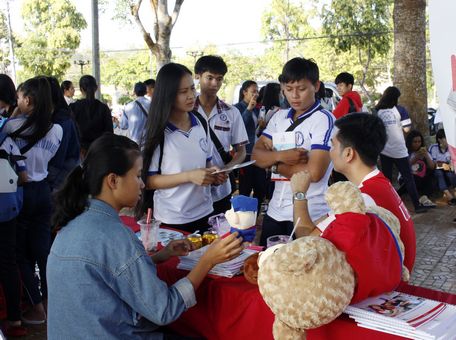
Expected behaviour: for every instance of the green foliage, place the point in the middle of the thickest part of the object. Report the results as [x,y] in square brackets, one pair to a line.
[4,48]
[52,35]
[124,100]
[284,23]
[123,70]
[359,25]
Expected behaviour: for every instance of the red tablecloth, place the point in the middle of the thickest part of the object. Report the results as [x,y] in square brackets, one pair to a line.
[234,309]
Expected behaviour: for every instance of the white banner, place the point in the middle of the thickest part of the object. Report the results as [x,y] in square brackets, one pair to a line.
[442,30]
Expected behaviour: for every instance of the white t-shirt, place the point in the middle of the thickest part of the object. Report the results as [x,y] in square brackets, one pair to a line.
[227,124]
[395,144]
[182,151]
[41,153]
[312,134]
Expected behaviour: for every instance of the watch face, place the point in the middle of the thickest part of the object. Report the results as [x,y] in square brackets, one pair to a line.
[299,196]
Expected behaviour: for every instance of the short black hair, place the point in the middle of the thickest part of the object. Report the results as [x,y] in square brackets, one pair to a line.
[299,68]
[65,86]
[150,82]
[140,89]
[363,132]
[346,78]
[211,63]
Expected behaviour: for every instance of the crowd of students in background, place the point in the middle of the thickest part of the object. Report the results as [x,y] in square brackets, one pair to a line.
[184,138]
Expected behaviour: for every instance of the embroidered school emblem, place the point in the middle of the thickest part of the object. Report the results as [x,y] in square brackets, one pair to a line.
[223,117]
[203,144]
[299,137]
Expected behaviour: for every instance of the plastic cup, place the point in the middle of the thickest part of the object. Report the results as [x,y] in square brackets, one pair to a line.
[196,240]
[149,234]
[276,239]
[209,237]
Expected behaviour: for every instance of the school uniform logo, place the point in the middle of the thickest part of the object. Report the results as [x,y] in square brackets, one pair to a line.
[223,117]
[299,137]
[203,144]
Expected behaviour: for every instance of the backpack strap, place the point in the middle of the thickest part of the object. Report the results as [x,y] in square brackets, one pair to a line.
[12,159]
[226,157]
[297,122]
[352,107]
[27,147]
[142,108]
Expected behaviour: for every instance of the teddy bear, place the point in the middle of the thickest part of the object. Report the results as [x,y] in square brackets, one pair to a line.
[242,216]
[309,282]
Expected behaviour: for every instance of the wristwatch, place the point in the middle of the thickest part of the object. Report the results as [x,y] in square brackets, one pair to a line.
[274,168]
[299,196]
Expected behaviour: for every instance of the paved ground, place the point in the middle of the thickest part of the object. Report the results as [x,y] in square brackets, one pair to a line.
[435,260]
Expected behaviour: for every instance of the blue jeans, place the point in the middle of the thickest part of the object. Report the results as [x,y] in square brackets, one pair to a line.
[403,166]
[445,179]
[34,238]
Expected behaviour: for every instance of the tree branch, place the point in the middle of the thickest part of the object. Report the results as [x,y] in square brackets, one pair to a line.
[146,36]
[154,5]
[176,11]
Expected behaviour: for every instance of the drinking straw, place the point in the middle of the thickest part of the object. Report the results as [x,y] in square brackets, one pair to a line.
[149,215]
[294,229]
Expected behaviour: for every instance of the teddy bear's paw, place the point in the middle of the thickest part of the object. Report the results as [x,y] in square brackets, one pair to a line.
[282,331]
[405,274]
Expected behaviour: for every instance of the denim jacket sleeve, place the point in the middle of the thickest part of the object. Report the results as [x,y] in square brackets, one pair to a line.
[138,285]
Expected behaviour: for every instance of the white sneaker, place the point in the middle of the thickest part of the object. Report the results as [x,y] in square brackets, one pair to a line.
[425,201]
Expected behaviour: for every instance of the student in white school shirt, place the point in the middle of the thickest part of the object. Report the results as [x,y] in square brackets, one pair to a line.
[182,177]
[224,120]
[300,83]
[395,151]
[33,128]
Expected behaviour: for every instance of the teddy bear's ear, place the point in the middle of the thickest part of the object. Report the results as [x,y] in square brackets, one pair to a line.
[297,262]
[345,197]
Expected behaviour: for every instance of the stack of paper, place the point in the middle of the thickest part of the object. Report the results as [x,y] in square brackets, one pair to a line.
[226,269]
[406,315]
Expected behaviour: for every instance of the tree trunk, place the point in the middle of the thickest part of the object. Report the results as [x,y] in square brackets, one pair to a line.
[163,26]
[410,59]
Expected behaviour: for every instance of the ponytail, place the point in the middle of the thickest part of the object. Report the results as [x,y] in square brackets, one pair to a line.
[107,154]
[88,84]
[71,199]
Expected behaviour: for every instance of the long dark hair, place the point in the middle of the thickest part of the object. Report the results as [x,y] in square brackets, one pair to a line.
[58,100]
[439,135]
[166,87]
[410,137]
[244,87]
[389,98]
[108,154]
[271,96]
[38,123]
[8,93]
[88,84]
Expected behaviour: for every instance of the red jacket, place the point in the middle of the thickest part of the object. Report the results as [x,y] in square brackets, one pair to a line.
[344,105]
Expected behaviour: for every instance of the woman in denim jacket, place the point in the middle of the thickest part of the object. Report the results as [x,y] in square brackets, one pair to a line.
[102,283]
